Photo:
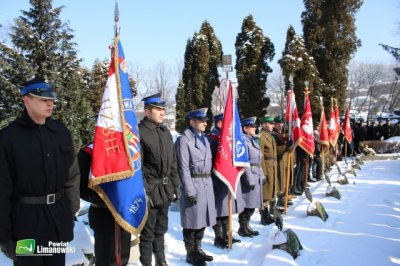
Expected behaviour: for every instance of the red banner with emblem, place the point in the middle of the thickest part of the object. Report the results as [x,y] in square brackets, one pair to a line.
[293,120]
[307,127]
[346,126]
[323,132]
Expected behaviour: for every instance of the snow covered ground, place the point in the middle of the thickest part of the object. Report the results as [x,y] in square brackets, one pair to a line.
[363,227]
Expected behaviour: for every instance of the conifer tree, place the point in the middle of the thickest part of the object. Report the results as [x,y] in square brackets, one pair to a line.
[330,36]
[253,52]
[297,61]
[98,80]
[200,74]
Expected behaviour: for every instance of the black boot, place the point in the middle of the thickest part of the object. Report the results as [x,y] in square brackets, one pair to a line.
[197,246]
[195,258]
[225,235]
[219,240]
[244,231]
[192,255]
[160,259]
[253,232]
[266,218]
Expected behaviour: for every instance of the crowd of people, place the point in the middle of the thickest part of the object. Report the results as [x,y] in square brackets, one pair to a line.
[39,180]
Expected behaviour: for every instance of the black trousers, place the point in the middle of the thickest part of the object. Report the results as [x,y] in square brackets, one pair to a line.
[152,235]
[103,225]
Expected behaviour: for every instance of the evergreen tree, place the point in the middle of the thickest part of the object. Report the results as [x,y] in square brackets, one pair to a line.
[43,46]
[395,52]
[97,83]
[296,61]
[330,35]
[200,74]
[13,72]
[253,51]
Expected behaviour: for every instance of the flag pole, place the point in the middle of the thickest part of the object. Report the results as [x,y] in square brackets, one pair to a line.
[288,169]
[287,180]
[117,230]
[230,214]
[307,155]
[322,146]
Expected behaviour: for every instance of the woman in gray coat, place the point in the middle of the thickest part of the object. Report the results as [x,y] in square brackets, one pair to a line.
[197,204]
[252,178]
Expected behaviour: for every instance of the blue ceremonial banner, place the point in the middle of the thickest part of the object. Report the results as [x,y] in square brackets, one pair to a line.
[116,173]
[241,156]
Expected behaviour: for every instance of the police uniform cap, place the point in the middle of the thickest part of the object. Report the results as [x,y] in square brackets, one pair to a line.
[154,100]
[267,119]
[279,119]
[251,121]
[200,114]
[218,117]
[39,87]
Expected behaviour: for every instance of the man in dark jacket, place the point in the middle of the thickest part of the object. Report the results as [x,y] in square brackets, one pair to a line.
[101,220]
[160,178]
[39,179]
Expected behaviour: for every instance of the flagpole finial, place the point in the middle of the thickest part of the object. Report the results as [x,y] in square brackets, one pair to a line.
[116,18]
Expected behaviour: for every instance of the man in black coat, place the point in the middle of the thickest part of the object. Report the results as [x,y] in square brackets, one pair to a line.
[160,177]
[101,220]
[39,179]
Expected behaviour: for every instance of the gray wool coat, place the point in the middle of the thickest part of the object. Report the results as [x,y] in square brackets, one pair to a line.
[253,175]
[195,158]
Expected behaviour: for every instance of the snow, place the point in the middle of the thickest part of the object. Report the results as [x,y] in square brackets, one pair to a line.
[363,227]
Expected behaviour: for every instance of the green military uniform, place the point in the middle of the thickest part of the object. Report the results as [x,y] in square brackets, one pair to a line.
[269,165]
[282,150]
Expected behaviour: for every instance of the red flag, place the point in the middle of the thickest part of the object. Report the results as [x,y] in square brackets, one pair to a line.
[293,120]
[307,127]
[323,131]
[346,126]
[232,156]
[332,128]
[337,116]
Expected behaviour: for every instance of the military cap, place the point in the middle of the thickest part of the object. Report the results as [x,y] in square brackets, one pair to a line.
[267,119]
[251,121]
[39,87]
[200,114]
[154,100]
[279,119]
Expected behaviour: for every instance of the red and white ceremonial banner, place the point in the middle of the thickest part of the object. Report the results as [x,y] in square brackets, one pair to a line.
[232,155]
[111,155]
[346,126]
[323,132]
[307,127]
[332,131]
[293,120]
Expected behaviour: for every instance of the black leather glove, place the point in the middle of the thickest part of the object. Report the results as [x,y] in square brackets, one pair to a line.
[8,249]
[192,200]
[177,193]
[251,187]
